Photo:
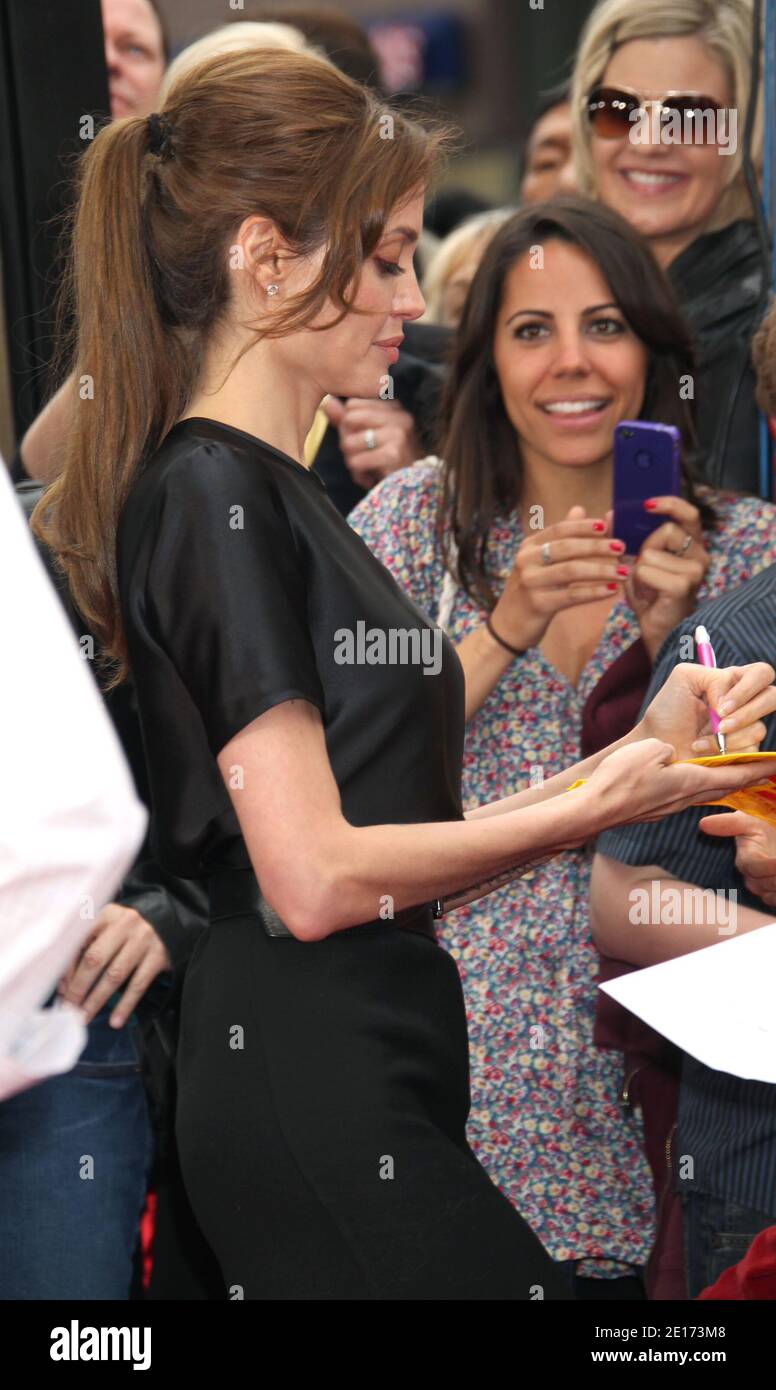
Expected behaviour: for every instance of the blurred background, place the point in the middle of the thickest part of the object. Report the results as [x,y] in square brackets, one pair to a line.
[482,63]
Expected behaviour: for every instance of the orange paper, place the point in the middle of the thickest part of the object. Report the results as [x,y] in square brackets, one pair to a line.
[759,801]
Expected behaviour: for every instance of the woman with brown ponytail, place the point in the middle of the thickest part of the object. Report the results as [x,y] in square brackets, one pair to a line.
[236,257]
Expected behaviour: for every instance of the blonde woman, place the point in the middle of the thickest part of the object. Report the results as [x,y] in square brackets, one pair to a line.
[659,99]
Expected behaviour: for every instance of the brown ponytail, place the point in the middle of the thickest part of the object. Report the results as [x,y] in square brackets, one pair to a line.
[262,131]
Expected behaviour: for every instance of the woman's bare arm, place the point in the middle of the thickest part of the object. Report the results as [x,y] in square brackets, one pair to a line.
[622,896]
[321,874]
[41,446]
[676,714]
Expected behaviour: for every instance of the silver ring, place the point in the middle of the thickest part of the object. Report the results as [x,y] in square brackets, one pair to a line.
[369,439]
[683,548]
[545,553]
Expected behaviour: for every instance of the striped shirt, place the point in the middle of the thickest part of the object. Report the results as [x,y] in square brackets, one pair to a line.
[726,1125]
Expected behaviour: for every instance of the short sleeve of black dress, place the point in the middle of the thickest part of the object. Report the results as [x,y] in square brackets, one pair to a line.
[214,603]
[227,595]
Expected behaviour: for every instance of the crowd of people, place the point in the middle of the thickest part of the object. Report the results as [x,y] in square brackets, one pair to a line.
[326,410]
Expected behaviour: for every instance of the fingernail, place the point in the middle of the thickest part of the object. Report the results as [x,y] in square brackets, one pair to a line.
[599,526]
[612,586]
[725,725]
[650,504]
[116,1020]
[700,745]
[617,547]
[725,707]
[623,570]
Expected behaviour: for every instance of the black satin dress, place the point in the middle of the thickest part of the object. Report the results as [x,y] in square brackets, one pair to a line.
[323,1086]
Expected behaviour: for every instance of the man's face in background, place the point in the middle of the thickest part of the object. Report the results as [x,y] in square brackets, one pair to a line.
[548,164]
[134,56]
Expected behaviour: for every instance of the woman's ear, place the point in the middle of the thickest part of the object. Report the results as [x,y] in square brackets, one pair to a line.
[258,248]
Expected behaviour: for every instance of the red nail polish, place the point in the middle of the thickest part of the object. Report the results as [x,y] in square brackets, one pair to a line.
[599,526]
[622,569]
[612,586]
[650,504]
[617,547]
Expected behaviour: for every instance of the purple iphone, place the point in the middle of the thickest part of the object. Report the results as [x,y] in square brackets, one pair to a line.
[646,464]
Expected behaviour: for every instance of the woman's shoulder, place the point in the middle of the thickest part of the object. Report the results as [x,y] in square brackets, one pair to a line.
[192,490]
[196,476]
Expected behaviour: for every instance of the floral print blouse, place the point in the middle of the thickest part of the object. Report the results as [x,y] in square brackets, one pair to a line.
[546,1119]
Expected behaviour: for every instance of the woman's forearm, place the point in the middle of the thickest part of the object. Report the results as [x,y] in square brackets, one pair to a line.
[553,786]
[484,662]
[641,915]
[368,872]
[42,444]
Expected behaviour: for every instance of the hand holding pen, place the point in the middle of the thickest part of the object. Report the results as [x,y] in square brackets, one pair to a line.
[705,656]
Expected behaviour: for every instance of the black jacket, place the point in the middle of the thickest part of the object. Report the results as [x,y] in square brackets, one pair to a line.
[719,281]
[176,908]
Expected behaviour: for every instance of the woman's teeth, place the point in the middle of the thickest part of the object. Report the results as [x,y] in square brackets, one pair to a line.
[651,180]
[573,407]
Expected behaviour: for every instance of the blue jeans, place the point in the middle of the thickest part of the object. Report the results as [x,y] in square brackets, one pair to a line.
[75,1152]
[717,1234]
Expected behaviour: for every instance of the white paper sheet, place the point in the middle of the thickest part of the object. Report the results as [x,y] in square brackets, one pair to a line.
[718,1004]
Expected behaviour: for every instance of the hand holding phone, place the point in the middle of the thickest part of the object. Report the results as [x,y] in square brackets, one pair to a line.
[646,465]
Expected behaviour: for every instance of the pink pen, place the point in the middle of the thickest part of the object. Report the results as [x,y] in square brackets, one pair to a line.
[706,657]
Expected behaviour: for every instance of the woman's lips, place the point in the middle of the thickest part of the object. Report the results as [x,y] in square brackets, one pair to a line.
[391,350]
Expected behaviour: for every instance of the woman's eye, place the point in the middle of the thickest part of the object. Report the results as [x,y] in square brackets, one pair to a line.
[607,328]
[389,267]
[528,332]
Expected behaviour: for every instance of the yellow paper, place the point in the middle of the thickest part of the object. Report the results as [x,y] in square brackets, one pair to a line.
[759,801]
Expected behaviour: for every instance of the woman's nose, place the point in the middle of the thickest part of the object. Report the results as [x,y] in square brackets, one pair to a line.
[571,353]
[409,302]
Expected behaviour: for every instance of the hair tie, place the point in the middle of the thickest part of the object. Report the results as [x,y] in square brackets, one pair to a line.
[160,135]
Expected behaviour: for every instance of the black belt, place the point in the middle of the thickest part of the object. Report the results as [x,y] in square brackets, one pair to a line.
[237,890]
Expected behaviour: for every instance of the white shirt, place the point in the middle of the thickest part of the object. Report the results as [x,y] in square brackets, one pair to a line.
[70,819]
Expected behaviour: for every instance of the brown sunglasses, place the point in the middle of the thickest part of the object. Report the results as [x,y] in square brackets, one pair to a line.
[611,111]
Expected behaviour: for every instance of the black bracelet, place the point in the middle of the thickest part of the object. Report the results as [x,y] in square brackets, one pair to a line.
[516,651]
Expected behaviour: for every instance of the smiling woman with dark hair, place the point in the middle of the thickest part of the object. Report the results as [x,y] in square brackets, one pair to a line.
[569,327]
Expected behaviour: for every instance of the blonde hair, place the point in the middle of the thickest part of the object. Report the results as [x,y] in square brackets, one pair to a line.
[724,26]
[233,38]
[455,251]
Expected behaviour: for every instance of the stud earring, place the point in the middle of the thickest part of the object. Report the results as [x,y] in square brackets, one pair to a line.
[273,289]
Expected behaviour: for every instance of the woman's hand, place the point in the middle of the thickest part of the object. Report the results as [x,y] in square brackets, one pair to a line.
[679,713]
[641,782]
[584,566]
[667,573]
[123,947]
[395,442]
